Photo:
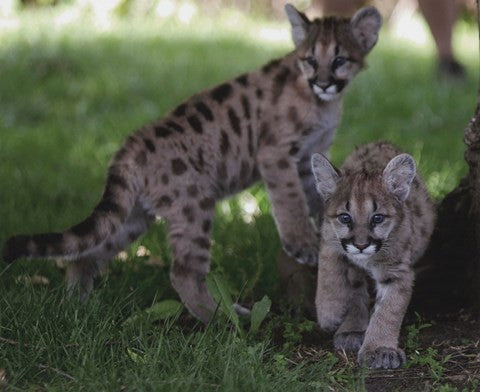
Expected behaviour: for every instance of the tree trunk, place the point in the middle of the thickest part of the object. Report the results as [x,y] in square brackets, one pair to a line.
[448,275]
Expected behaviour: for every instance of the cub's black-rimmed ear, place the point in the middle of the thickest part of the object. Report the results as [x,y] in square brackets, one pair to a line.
[399,174]
[326,176]
[365,26]
[299,22]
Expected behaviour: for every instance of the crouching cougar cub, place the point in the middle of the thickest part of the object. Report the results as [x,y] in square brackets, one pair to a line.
[261,125]
[378,220]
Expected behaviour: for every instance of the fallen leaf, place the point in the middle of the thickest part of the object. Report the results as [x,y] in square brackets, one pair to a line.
[34,279]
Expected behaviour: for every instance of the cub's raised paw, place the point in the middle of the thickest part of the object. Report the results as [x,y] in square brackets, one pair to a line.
[304,254]
[382,358]
[348,341]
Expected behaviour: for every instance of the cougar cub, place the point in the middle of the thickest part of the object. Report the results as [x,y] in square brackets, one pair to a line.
[378,221]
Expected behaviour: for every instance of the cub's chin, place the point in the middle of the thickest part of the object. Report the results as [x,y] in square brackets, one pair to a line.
[360,259]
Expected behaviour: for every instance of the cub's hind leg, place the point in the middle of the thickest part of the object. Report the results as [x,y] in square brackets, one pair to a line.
[82,271]
[189,233]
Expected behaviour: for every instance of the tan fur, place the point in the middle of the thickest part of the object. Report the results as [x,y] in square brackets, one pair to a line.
[261,125]
[367,189]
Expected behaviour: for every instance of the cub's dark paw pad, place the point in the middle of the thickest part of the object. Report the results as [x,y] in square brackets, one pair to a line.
[382,358]
[303,254]
[348,341]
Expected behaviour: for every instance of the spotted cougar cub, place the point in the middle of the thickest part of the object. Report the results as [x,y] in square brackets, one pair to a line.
[261,125]
[378,221]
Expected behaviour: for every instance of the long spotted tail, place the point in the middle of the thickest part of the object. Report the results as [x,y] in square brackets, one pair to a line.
[112,211]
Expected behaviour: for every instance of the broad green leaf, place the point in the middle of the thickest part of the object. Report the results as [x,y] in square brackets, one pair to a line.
[218,288]
[259,312]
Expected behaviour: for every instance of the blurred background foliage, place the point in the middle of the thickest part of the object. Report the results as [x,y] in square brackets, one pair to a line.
[166,8]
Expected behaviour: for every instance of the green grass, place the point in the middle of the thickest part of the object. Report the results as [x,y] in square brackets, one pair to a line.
[70,93]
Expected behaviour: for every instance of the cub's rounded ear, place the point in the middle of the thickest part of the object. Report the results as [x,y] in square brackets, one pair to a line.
[299,22]
[365,26]
[326,176]
[399,174]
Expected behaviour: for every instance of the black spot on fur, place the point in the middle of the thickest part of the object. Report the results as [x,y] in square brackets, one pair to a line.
[234,121]
[292,114]
[117,181]
[283,164]
[206,225]
[178,166]
[271,185]
[280,79]
[202,242]
[224,142]
[201,259]
[200,159]
[270,66]
[204,110]
[357,284]
[222,92]
[164,179]
[305,172]
[189,213]
[207,204]
[243,80]
[246,106]
[84,228]
[141,158]
[293,149]
[194,164]
[175,126]
[164,201]
[266,137]
[150,146]
[162,131]
[108,206]
[244,172]
[221,171]
[250,139]
[121,154]
[259,93]
[195,124]
[180,110]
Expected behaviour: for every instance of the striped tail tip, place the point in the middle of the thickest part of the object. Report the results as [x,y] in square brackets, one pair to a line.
[15,248]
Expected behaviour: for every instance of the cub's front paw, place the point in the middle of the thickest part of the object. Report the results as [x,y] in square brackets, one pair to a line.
[304,253]
[382,358]
[348,341]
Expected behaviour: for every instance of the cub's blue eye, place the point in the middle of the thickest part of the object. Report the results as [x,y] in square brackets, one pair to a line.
[311,61]
[338,62]
[345,219]
[377,219]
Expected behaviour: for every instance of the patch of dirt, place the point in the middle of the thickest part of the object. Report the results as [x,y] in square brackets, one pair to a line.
[455,361]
